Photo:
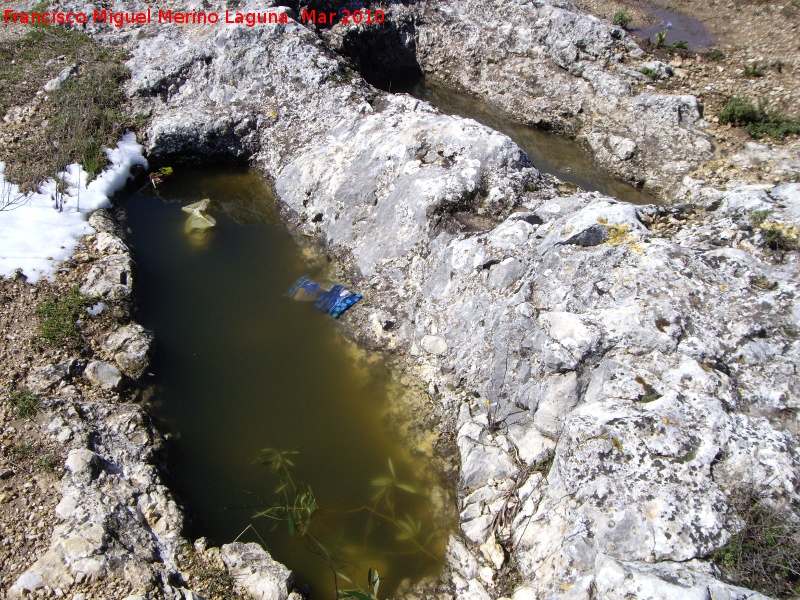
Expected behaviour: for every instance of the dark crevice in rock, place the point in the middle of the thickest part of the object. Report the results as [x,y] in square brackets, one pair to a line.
[385,53]
[337,6]
[224,146]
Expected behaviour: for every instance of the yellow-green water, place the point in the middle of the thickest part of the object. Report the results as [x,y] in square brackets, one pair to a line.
[240,367]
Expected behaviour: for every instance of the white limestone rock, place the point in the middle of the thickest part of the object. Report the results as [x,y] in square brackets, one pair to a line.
[130,345]
[254,570]
[103,375]
[111,277]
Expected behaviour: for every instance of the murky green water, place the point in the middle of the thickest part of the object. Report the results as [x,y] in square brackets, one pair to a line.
[241,367]
[550,153]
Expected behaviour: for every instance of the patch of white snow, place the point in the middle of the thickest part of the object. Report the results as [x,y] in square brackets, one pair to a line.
[35,235]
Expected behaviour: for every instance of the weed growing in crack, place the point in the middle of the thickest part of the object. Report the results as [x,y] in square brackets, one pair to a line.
[776,236]
[649,72]
[623,18]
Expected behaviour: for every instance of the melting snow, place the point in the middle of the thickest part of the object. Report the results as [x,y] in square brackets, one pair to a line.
[35,236]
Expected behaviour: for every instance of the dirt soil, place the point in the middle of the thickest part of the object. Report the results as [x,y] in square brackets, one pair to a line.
[758,34]
[31,459]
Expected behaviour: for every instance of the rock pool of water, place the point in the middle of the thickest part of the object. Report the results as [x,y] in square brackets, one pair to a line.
[240,367]
[550,153]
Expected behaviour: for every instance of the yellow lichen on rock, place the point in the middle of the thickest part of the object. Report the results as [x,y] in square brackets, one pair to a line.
[619,234]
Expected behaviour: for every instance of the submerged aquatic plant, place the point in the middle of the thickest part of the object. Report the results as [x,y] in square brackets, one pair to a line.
[369,593]
[296,505]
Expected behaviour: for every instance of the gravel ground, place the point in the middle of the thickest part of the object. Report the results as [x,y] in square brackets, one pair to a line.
[749,33]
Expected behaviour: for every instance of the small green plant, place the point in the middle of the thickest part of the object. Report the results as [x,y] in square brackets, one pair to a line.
[758,121]
[780,237]
[757,217]
[216,583]
[752,71]
[58,318]
[22,450]
[650,394]
[45,463]
[714,55]
[738,111]
[774,235]
[661,36]
[681,45]
[649,72]
[544,465]
[25,402]
[764,554]
[207,578]
[623,18]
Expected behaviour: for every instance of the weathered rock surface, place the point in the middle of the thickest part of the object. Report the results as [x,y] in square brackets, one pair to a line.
[130,345]
[650,356]
[253,569]
[549,65]
[116,519]
[111,278]
[103,374]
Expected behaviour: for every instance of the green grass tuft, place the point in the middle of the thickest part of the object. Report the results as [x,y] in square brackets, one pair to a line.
[753,71]
[649,72]
[25,402]
[76,121]
[758,121]
[764,554]
[58,319]
[623,18]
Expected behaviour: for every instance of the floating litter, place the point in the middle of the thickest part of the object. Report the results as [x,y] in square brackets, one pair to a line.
[333,300]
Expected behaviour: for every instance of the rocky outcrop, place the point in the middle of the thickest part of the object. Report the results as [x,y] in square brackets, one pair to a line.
[550,66]
[130,345]
[611,373]
[655,373]
[115,519]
